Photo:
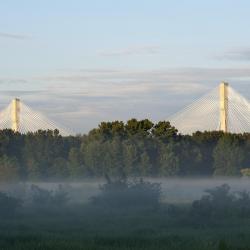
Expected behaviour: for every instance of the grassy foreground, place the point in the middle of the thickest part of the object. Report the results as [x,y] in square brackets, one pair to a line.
[124,215]
[85,228]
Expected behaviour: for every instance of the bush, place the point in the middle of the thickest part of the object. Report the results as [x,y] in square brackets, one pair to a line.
[122,194]
[220,203]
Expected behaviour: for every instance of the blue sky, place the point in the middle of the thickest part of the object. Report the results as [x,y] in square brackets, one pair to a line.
[81,62]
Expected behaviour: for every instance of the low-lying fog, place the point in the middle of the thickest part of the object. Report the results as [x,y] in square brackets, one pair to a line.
[173,190]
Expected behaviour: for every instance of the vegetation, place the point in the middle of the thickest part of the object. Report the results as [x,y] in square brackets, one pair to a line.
[219,220]
[135,148]
[220,203]
[124,194]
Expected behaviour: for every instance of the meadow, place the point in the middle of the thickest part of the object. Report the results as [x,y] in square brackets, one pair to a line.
[78,223]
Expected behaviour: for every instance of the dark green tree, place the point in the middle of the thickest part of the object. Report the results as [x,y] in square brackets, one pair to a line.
[228,157]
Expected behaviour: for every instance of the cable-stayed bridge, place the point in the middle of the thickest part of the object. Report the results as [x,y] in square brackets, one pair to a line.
[21,118]
[222,109]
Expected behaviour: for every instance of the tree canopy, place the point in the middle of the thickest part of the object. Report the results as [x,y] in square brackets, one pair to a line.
[135,148]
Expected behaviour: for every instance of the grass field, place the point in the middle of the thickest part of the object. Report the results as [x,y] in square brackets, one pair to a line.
[83,228]
[83,225]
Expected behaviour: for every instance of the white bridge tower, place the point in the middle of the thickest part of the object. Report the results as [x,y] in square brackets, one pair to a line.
[224,107]
[15,115]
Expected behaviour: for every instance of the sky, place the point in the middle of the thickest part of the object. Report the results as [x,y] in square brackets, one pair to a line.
[82,62]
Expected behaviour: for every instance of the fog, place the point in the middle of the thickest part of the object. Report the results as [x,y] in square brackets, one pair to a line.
[135,213]
[173,190]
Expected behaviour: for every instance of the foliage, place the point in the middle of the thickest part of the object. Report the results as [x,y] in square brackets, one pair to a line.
[8,169]
[123,194]
[221,203]
[86,228]
[164,130]
[83,227]
[137,148]
[228,157]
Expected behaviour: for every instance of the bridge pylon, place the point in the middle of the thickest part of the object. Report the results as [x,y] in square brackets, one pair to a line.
[224,107]
[221,109]
[15,115]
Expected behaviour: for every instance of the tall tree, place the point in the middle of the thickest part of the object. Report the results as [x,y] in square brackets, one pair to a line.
[228,157]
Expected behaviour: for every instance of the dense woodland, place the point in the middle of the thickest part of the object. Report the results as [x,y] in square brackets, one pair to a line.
[135,148]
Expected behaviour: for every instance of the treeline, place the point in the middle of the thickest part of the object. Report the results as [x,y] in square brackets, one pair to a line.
[137,147]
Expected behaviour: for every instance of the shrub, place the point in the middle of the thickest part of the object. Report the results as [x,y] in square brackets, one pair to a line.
[217,202]
[220,203]
[121,193]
